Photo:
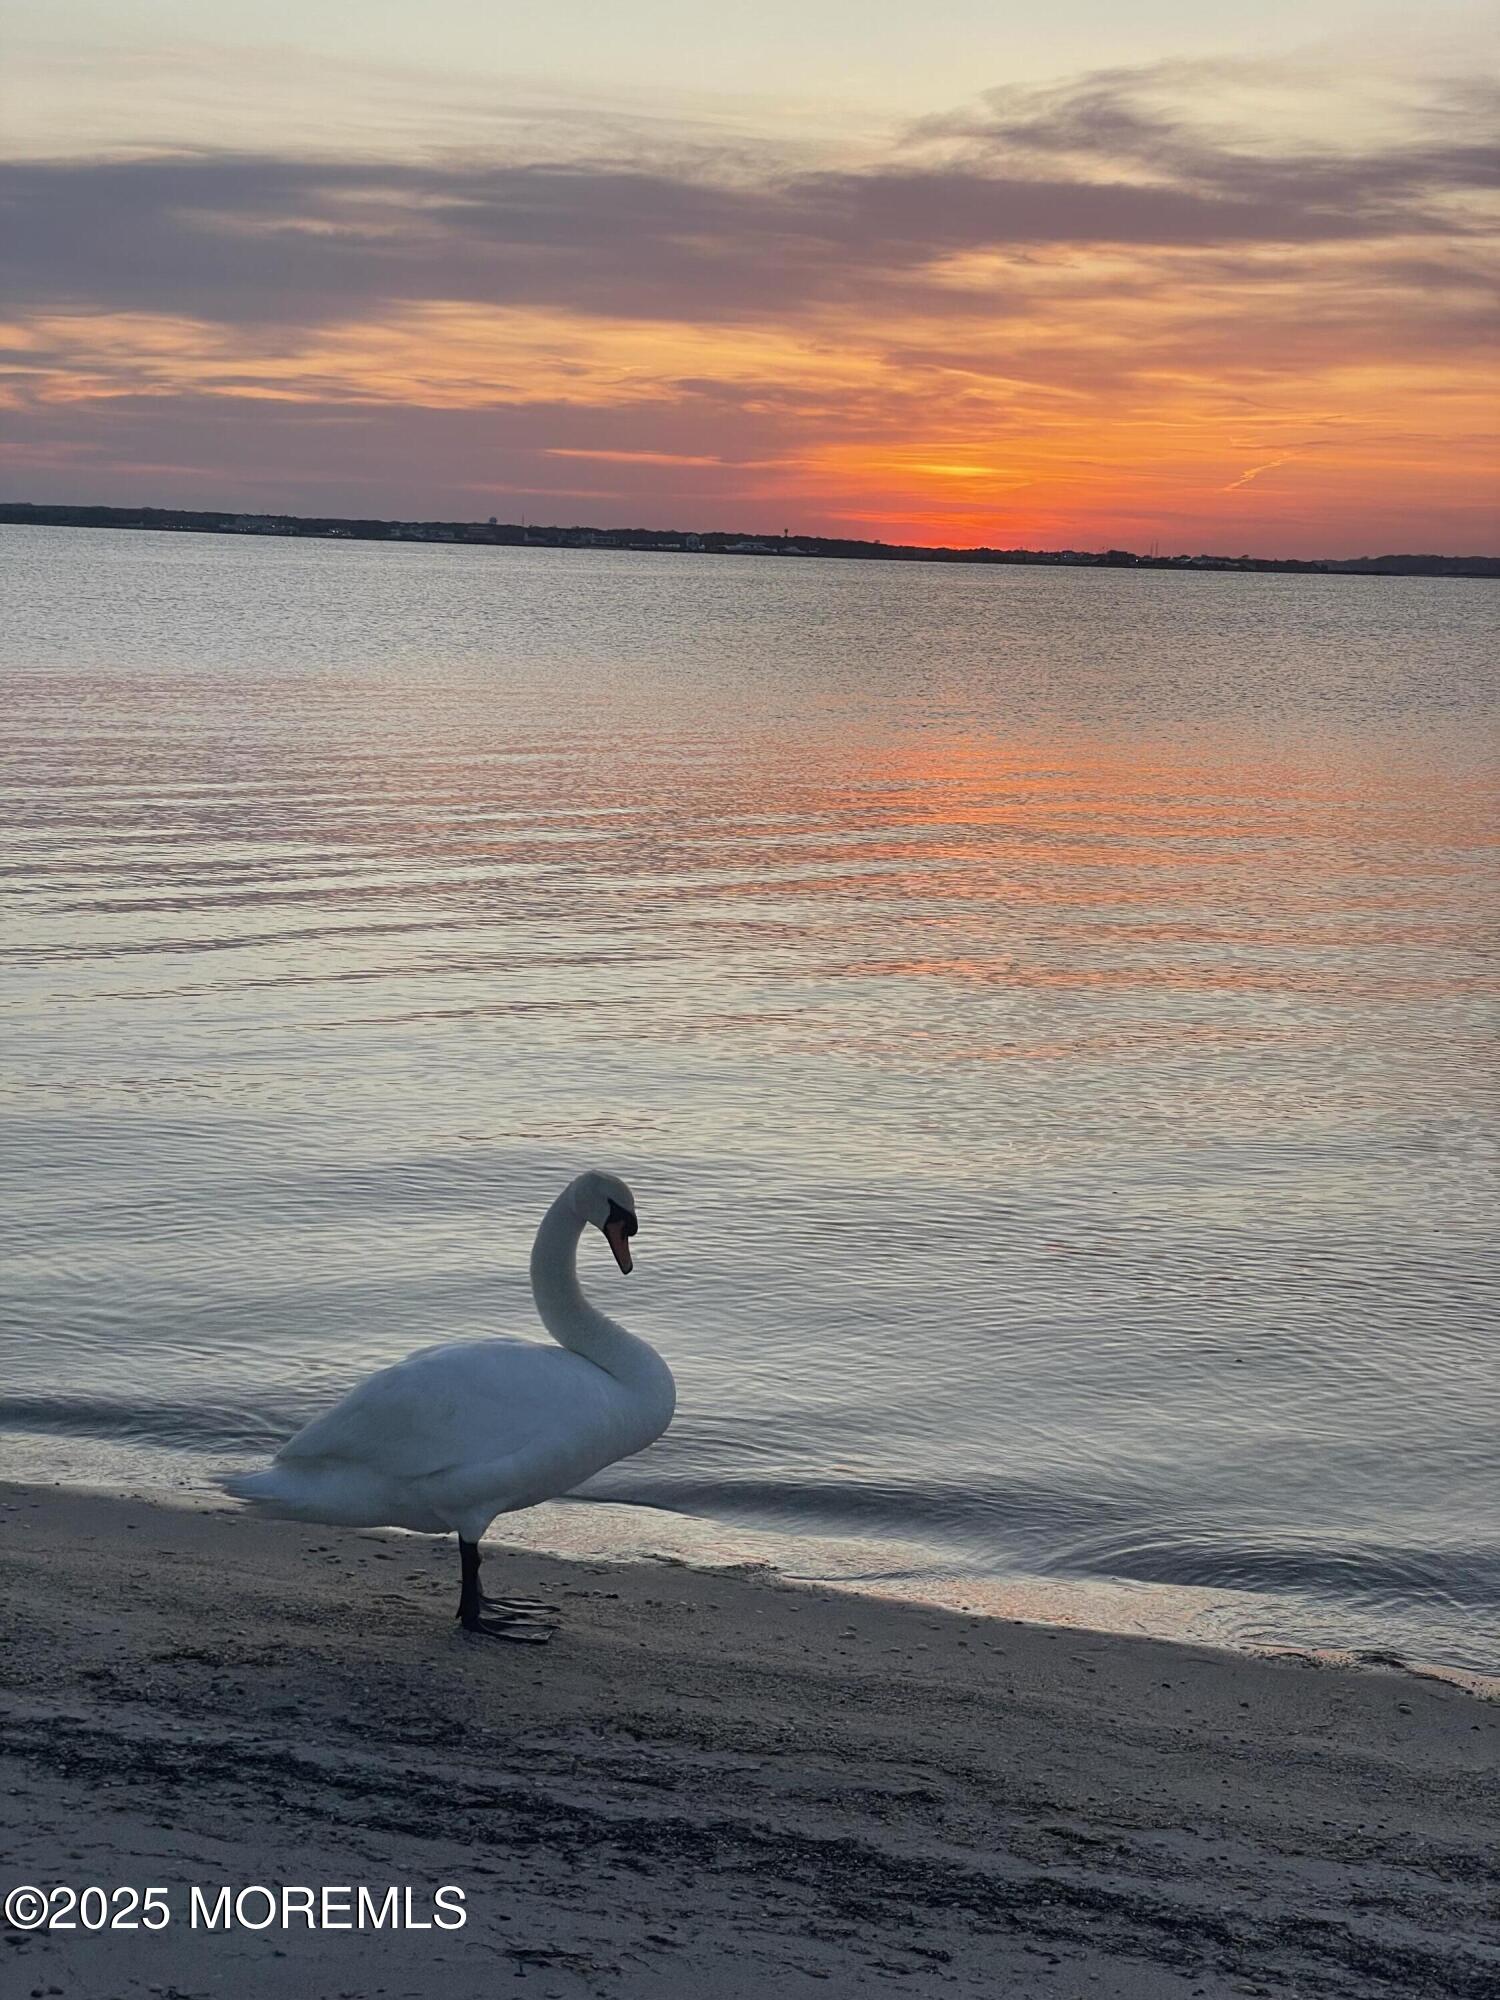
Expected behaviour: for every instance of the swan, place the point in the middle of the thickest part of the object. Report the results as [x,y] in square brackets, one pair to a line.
[453,1436]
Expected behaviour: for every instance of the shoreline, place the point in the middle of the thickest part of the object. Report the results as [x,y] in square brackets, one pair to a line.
[711,1783]
[590,1529]
[712,542]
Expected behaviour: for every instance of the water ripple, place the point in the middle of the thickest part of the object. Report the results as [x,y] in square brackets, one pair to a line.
[1048,1020]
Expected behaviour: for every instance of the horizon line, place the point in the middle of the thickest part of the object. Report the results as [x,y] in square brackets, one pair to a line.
[231,520]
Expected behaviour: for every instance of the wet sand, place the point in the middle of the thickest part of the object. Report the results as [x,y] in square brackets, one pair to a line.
[711,1783]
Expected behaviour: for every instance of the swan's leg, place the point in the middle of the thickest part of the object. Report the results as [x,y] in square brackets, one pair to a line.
[522,1606]
[468,1596]
[524,1621]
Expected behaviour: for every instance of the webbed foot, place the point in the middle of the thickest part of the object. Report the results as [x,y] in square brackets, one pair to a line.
[524,1631]
[518,1608]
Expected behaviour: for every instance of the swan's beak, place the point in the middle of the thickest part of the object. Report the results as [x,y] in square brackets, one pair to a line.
[618,1235]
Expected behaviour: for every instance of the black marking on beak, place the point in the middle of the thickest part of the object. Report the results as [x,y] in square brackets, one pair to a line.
[619,1227]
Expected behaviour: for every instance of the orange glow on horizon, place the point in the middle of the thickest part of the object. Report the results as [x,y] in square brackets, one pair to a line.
[1090,452]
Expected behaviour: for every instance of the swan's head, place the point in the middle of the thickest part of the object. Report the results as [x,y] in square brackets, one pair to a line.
[605,1201]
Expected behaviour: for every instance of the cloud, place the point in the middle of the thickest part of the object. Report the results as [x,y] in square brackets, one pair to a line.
[1273,140]
[1079,293]
[1255,471]
[704,235]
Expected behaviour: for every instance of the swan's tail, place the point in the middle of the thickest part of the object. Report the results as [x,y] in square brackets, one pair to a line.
[332,1491]
[264,1486]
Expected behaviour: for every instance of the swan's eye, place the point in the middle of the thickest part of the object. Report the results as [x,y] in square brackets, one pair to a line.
[621,1218]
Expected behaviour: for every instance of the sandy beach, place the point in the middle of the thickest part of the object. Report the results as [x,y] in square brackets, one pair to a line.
[710,1783]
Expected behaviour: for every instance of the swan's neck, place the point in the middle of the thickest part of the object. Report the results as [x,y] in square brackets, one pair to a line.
[567,1314]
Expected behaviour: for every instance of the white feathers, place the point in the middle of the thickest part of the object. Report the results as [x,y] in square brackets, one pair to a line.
[453,1436]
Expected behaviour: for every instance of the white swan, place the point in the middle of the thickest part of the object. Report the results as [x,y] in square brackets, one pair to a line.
[452,1436]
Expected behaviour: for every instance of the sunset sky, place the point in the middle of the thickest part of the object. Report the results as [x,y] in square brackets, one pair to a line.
[1075,275]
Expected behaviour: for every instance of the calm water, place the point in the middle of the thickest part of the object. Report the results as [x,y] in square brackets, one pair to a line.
[1046,1019]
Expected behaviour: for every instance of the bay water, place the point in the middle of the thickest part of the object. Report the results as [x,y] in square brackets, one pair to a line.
[1046,1017]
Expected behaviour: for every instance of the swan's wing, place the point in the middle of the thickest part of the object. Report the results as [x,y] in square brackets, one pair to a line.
[463,1404]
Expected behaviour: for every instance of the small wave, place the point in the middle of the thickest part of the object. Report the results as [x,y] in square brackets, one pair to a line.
[1027,1526]
[196,1427]
[1019,1512]
[1359,1570]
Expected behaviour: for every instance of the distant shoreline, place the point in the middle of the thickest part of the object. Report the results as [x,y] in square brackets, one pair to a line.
[666,541]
